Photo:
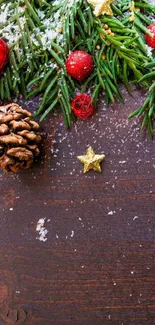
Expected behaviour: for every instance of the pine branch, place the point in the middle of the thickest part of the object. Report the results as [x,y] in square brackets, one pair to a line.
[41,33]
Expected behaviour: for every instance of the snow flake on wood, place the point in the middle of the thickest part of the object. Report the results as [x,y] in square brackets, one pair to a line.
[42,231]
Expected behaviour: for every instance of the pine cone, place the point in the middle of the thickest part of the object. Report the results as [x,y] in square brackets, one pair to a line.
[18,138]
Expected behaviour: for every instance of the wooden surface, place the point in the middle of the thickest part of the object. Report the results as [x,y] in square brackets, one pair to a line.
[97,265]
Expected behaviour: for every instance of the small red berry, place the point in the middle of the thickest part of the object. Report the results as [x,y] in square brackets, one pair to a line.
[4,54]
[79,65]
[151,40]
[82,106]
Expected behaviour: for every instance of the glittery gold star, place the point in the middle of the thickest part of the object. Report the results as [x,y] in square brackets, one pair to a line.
[101,7]
[91,160]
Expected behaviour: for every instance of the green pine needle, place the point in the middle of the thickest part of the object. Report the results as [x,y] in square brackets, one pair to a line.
[41,33]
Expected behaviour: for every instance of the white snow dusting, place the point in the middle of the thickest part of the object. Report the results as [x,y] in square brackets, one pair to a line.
[41,230]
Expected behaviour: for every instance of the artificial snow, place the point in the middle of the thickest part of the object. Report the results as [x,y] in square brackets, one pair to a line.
[49,30]
[152,2]
[41,230]
[149,51]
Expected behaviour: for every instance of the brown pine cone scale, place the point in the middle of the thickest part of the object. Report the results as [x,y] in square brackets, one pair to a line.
[19,138]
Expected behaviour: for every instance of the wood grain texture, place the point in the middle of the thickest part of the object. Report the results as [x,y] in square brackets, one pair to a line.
[97,265]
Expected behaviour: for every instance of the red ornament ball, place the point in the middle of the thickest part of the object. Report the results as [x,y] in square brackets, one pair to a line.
[4,54]
[150,40]
[82,106]
[79,65]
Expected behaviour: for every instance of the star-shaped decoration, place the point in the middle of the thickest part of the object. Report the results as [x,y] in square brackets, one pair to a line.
[91,160]
[101,7]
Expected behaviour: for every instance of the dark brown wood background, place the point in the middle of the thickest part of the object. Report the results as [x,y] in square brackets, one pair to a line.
[97,265]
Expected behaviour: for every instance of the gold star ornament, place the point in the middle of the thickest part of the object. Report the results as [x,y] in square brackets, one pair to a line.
[91,161]
[101,7]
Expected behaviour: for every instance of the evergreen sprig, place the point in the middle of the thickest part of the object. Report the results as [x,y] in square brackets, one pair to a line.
[37,62]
